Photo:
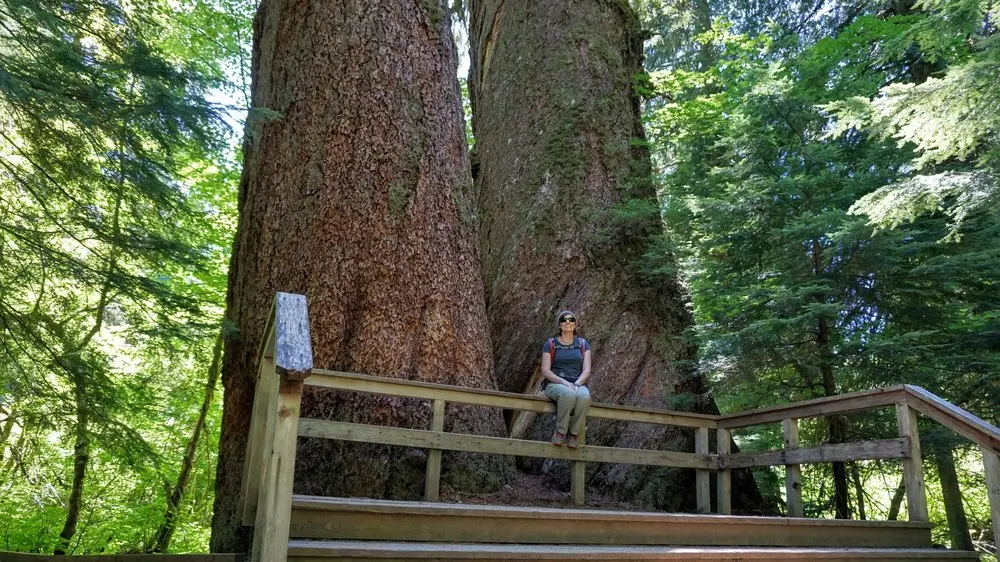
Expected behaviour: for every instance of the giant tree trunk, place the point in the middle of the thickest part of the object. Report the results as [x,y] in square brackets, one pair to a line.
[359,197]
[569,219]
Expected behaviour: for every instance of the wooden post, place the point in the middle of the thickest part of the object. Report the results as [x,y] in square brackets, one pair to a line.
[265,395]
[793,472]
[292,363]
[703,490]
[991,465]
[521,420]
[432,481]
[578,473]
[723,483]
[913,474]
[274,505]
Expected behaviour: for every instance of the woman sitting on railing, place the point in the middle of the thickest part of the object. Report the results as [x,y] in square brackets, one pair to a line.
[566,368]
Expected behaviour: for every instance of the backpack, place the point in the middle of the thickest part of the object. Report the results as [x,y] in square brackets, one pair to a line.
[552,348]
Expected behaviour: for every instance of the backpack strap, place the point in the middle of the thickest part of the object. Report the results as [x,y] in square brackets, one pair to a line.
[580,342]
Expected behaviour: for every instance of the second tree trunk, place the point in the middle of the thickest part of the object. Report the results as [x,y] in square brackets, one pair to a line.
[569,219]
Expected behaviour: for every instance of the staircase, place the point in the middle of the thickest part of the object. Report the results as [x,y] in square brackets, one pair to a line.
[326,529]
[314,529]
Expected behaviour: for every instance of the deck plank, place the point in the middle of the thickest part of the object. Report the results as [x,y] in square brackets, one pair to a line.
[303,551]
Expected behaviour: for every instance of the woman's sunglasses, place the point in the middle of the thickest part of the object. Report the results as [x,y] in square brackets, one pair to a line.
[565,319]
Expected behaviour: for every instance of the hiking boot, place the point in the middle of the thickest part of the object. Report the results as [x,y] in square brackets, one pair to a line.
[572,442]
[558,439]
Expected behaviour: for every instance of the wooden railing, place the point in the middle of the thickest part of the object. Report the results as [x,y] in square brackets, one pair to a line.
[285,365]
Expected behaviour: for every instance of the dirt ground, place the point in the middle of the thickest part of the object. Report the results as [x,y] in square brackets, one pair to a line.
[533,490]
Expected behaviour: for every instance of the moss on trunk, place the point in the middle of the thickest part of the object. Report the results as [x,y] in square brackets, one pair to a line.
[569,219]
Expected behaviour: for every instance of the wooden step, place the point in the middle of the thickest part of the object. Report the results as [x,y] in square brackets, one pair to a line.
[382,520]
[328,551]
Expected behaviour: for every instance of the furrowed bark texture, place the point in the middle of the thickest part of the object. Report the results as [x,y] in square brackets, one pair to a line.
[358,196]
[569,219]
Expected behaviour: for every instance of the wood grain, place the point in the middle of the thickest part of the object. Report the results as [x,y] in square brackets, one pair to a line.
[432,480]
[724,481]
[293,357]
[913,474]
[861,450]
[508,400]
[497,445]
[991,465]
[839,404]
[793,472]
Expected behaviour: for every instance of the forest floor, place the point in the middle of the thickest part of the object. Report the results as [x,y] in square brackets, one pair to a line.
[535,491]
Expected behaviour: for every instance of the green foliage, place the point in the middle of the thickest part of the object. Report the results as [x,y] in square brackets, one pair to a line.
[116,216]
[949,118]
[827,171]
[770,152]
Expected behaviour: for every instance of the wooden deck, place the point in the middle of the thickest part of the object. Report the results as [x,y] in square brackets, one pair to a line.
[336,551]
[381,520]
[20,557]
[445,531]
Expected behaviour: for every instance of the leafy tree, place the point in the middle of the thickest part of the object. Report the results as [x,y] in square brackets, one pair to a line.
[949,118]
[106,252]
[795,296]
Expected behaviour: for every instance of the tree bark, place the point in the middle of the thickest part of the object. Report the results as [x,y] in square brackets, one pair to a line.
[359,197]
[958,525]
[71,364]
[570,220]
[837,431]
[81,455]
[836,424]
[859,491]
[16,460]
[161,539]
[896,503]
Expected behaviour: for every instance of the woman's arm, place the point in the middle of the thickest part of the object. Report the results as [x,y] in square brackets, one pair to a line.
[582,381]
[547,371]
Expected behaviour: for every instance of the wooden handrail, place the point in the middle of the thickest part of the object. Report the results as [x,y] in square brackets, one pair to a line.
[974,429]
[284,360]
[443,440]
[508,400]
[839,404]
[285,365]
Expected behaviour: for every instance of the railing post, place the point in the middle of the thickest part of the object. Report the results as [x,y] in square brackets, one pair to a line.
[793,472]
[261,429]
[913,474]
[991,465]
[432,481]
[280,383]
[274,505]
[578,473]
[724,480]
[703,491]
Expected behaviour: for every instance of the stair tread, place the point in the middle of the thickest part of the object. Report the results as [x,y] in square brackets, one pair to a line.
[367,505]
[578,552]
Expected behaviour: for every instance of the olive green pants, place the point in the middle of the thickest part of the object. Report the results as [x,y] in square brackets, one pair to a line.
[571,407]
